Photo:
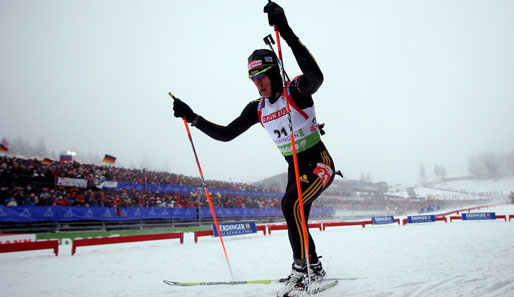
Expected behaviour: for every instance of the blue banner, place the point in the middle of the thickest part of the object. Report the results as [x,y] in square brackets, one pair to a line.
[225,212]
[475,216]
[239,228]
[169,188]
[430,209]
[421,219]
[383,220]
[29,214]
[26,214]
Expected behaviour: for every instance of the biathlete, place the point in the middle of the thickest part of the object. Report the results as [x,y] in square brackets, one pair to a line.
[316,167]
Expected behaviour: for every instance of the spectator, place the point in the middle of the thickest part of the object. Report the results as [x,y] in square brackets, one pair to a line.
[12,202]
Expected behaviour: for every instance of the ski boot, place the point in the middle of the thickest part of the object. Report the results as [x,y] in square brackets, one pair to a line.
[297,281]
[316,271]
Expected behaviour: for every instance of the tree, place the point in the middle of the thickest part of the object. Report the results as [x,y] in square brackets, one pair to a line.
[509,160]
[366,177]
[145,163]
[440,171]
[40,149]
[53,155]
[422,173]
[19,146]
[476,167]
[492,164]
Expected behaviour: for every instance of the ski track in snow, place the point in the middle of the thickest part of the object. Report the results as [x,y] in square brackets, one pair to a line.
[433,259]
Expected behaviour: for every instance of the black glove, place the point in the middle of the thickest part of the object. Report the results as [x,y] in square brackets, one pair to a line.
[276,16]
[183,110]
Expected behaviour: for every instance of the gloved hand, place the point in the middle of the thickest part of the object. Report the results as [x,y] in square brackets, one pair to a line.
[182,110]
[276,16]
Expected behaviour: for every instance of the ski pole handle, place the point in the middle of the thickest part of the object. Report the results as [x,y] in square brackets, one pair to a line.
[175,98]
[268,40]
[171,95]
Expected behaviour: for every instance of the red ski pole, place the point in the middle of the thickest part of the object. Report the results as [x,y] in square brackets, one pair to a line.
[293,147]
[206,192]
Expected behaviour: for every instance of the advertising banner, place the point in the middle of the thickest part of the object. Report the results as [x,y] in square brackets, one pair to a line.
[476,216]
[72,182]
[383,220]
[26,214]
[421,219]
[239,228]
[170,188]
[16,238]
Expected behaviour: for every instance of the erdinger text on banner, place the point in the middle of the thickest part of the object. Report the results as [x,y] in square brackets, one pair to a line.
[239,228]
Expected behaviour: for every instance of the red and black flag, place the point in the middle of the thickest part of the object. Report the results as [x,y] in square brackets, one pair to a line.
[109,159]
[4,146]
[47,161]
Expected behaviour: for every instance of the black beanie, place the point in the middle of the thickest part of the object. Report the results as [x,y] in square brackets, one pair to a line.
[261,59]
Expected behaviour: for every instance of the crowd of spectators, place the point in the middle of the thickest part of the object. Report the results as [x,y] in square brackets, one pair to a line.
[28,182]
[96,174]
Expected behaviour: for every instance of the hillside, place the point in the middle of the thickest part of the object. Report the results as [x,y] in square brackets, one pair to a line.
[454,189]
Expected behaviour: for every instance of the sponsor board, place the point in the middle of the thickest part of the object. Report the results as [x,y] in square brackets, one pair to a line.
[72,182]
[421,219]
[17,238]
[231,229]
[476,216]
[383,220]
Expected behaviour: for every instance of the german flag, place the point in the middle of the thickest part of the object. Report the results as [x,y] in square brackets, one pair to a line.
[109,159]
[4,148]
[47,161]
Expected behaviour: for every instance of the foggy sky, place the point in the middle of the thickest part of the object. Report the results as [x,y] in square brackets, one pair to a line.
[406,82]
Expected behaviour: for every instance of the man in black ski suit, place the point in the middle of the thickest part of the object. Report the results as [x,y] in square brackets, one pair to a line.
[316,167]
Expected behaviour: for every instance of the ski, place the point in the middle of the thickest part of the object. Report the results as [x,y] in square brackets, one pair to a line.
[324,287]
[222,283]
[246,282]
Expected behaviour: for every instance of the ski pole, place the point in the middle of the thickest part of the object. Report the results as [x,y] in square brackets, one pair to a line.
[293,147]
[204,184]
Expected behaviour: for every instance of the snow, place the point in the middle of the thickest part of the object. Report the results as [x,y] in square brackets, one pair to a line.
[463,258]
[504,185]
[466,189]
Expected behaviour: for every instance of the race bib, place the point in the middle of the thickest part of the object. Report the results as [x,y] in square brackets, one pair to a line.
[324,172]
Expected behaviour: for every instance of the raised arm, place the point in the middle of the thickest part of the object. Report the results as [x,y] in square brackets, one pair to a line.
[312,77]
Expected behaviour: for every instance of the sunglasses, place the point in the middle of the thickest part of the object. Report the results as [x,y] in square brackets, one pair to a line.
[259,75]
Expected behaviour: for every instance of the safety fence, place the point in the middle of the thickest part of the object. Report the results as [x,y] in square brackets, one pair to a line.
[124,239]
[30,246]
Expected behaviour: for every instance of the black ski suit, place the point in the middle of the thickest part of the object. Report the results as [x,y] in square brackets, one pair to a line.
[314,179]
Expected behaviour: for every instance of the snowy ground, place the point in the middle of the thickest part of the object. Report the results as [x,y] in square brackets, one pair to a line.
[437,259]
[469,189]
[504,185]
